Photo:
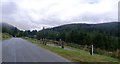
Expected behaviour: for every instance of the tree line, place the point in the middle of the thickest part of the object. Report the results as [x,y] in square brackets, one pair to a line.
[101,37]
[98,39]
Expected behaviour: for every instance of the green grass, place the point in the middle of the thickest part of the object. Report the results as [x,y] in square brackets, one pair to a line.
[4,36]
[31,40]
[77,56]
[81,55]
[49,42]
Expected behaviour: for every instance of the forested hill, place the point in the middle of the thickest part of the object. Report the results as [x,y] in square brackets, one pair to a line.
[105,36]
[111,28]
[7,28]
[5,25]
[15,32]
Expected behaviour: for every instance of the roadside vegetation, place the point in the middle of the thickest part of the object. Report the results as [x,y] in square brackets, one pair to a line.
[4,36]
[77,56]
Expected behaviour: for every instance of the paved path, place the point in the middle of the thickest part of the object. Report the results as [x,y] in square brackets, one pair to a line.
[20,50]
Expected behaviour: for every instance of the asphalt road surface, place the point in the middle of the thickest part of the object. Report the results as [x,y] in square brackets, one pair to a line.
[20,50]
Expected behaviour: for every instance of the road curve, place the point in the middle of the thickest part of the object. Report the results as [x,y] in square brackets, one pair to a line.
[20,50]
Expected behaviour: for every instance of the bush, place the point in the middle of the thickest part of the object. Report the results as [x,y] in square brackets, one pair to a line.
[115,54]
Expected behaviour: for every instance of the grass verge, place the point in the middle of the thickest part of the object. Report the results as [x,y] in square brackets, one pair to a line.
[4,36]
[77,56]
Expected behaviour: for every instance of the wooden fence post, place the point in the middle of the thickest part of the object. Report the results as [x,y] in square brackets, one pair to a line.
[91,49]
[45,41]
[62,44]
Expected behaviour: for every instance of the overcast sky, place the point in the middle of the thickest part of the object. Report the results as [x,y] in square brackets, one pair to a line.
[34,14]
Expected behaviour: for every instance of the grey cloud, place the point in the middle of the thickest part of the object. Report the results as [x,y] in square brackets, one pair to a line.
[48,21]
[9,8]
[119,11]
[92,18]
[92,1]
[20,17]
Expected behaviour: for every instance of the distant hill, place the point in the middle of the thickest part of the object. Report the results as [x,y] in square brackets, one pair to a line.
[6,25]
[111,27]
[7,28]
[104,35]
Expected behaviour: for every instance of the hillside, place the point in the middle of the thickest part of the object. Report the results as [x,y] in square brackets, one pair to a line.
[111,28]
[5,25]
[104,35]
[7,28]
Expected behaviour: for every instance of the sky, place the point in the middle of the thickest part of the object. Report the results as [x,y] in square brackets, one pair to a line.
[36,14]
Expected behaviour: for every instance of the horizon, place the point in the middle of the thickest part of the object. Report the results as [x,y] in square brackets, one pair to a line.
[59,25]
[36,14]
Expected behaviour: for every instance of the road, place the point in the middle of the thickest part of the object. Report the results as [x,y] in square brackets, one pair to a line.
[20,50]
